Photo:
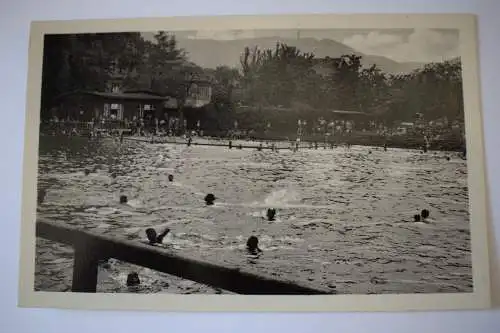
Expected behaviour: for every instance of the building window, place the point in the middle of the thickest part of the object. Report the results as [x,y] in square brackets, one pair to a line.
[115,87]
[115,111]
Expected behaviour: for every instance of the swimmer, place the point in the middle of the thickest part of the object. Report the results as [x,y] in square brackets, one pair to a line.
[209,199]
[133,279]
[154,238]
[425,214]
[170,178]
[271,213]
[86,172]
[123,199]
[416,217]
[253,245]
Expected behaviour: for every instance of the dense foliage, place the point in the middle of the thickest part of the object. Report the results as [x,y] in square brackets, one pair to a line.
[287,77]
[283,78]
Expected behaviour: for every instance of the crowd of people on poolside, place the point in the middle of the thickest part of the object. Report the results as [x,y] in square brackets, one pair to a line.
[136,126]
[171,125]
[433,131]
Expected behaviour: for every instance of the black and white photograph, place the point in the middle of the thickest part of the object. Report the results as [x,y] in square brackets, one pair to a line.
[255,161]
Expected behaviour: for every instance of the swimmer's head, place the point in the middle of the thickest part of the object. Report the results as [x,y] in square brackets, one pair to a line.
[133,279]
[416,217]
[123,199]
[271,214]
[209,199]
[424,213]
[252,244]
[151,235]
[170,178]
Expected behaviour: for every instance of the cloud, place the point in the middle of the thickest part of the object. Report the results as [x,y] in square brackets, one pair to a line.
[422,45]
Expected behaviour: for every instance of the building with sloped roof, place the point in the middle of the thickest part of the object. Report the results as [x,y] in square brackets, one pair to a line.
[91,105]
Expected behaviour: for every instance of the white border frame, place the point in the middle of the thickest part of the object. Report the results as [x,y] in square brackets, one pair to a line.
[478,299]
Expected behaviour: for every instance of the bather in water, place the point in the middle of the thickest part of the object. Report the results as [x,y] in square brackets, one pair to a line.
[253,245]
[155,238]
[133,279]
[424,214]
[209,199]
[271,214]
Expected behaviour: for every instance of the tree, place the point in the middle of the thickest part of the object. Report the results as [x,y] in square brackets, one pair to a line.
[225,80]
[272,77]
[158,60]
[344,82]
[441,89]
[435,91]
[372,92]
[85,61]
[166,71]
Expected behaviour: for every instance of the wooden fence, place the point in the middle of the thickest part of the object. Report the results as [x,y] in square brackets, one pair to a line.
[90,248]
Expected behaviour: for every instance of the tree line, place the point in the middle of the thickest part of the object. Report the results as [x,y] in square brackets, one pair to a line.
[283,77]
[294,79]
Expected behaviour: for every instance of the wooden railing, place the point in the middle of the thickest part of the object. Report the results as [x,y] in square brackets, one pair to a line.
[90,248]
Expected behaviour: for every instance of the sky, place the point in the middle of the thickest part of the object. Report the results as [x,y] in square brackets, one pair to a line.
[402,45]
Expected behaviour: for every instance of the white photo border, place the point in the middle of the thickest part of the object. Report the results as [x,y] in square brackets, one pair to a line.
[478,196]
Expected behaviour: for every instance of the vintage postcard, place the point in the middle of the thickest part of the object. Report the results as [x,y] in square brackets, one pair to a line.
[255,163]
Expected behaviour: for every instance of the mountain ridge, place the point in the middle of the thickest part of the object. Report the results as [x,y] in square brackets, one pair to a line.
[210,53]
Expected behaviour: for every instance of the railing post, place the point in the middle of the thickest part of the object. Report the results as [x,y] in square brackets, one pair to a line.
[85,268]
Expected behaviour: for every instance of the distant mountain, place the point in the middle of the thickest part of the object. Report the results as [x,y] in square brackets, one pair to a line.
[211,53]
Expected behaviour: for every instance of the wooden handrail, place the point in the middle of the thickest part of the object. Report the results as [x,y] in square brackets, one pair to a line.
[90,247]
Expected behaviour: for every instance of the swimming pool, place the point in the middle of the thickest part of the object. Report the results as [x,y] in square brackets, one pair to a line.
[344,216]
